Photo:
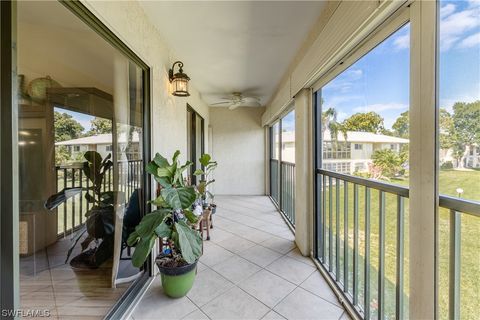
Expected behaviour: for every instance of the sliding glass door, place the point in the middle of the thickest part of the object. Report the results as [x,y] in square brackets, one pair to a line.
[82,106]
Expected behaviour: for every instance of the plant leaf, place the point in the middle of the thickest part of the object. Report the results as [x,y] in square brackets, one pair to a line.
[160,161]
[163,230]
[190,242]
[175,156]
[150,222]
[133,239]
[191,217]
[205,159]
[142,250]
[198,172]
[179,198]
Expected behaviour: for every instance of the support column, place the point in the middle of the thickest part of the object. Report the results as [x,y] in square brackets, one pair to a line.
[423,161]
[303,172]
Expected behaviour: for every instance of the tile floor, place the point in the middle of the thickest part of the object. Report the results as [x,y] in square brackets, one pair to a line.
[250,269]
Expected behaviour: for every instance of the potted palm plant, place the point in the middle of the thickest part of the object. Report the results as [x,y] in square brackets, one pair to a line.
[172,222]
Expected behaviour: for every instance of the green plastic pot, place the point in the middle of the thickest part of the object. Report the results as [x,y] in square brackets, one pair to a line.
[178,281]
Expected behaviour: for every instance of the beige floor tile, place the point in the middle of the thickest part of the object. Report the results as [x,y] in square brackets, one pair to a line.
[236,244]
[196,315]
[317,285]
[278,244]
[267,287]
[297,255]
[236,269]
[214,254]
[301,304]
[235,304]
[208,285]
[291,269]
[156,305]
[260,255]
[272,315]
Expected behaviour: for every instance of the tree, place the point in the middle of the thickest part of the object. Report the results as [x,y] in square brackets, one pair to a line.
[66,128]
[388,161]
[329,121]
[100,126]
[466,125]
[401,125]
[365,122]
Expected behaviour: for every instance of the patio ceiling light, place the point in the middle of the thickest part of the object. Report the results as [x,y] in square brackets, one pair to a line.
[178,80]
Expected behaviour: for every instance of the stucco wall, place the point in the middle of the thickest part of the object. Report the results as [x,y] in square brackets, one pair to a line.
[129,22]
[238,146]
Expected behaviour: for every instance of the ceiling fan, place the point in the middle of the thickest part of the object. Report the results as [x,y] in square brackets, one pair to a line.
[238,100]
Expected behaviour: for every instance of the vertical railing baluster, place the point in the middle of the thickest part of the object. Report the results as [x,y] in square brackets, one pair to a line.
[400,257]
[455,259]
[65,204]
[324,218]
[345,236]
[73,201]
[355,244]
[330,224]
[337,229]
[367,254]
[381,258]
[88,191]
[81,196]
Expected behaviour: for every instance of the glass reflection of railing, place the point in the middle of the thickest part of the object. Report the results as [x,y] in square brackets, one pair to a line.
[362,227]
[71,214]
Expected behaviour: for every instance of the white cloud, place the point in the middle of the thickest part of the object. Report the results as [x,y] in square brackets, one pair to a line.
[455,26]
[379,107]
[447,10]
[470,41]
[402,42]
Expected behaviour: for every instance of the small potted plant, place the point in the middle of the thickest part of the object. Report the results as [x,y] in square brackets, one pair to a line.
[99,226]
[172,223]
[205,180]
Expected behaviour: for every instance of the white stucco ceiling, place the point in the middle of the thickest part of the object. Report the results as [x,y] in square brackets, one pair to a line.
[228,46]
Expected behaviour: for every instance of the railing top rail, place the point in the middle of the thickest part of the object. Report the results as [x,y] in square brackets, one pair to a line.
[288,163]
[460,205]
[79,165]
[387,187]
[452,203]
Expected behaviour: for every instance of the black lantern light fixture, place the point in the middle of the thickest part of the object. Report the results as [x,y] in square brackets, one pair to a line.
[178,80]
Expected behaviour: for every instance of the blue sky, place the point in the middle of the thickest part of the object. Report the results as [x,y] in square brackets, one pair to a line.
[379,81]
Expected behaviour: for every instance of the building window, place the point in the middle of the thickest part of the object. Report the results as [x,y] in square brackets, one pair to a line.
[336,150]
[342,167]
[359,167]
[109,148]
[393,147]
[76,148]
[358,146]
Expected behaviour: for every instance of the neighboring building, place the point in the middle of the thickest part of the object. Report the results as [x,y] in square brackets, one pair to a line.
[350,155]
[102,143]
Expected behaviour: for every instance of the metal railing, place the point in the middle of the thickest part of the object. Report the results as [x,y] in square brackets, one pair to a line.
[71,214]
[354,261]
[282,188]
[287,191]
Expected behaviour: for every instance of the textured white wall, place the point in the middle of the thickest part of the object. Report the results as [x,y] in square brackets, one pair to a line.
[129,22]
[239,147]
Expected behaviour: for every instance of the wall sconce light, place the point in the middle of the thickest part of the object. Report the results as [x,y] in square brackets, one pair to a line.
[179,80]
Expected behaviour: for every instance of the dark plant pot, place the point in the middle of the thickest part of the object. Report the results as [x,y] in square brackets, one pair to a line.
[177,281]
[84,261]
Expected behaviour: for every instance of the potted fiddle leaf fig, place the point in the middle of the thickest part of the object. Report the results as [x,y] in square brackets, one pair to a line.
[100,222]
[205,180]
[172,222]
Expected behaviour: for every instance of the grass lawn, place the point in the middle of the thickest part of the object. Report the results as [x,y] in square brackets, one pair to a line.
[450,180]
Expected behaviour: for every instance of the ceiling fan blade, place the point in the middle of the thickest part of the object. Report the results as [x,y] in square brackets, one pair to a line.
[234,106]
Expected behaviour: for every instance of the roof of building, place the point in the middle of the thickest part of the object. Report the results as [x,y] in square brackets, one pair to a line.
[105,138]
[352,136]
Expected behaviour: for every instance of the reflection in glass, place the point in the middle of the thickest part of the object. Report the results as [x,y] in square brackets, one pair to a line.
[80,163]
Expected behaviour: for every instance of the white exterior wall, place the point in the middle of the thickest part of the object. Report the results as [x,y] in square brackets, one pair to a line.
[238,145]
[168,113]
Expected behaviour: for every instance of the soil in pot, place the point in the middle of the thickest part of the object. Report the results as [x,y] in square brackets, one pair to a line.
[177,276]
